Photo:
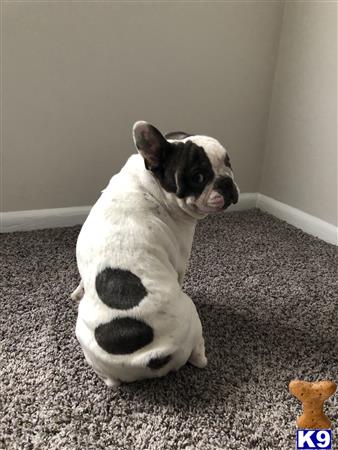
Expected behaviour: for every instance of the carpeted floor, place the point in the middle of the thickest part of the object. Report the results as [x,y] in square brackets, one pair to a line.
[267,295]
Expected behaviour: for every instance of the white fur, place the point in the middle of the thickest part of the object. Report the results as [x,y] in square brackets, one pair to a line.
[137,226]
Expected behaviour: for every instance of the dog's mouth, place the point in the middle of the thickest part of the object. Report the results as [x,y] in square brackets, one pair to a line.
[217,202]
[213,202]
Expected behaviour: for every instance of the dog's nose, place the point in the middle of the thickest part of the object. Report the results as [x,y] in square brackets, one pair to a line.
[227,188]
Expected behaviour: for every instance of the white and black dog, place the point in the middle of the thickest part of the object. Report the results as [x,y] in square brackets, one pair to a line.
[134,320]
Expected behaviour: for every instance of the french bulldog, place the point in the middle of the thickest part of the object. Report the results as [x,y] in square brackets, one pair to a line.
[134,321]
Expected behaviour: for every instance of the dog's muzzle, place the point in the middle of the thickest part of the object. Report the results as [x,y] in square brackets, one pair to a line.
[223,194]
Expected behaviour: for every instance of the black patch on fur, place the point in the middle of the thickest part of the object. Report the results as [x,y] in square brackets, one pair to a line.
[226,187]
[158,363]
[182,168]
[177,135]
[189,162]
[183,164]
[119,289]
[123,336]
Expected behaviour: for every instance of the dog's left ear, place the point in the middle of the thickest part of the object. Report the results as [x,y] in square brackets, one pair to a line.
[151,144]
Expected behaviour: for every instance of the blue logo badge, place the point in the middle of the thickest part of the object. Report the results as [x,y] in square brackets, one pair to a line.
[314,439]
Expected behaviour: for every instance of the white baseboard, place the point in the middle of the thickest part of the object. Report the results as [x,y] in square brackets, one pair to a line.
[65,217]
[38,219]
[245,201]
[300,219]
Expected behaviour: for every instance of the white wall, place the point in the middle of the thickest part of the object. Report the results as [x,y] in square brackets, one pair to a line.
[76,75]
[300,166]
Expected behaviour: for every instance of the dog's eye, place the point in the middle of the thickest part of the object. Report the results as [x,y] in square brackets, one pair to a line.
[198,178]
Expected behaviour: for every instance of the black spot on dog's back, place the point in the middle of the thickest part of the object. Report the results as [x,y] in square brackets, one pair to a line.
[158,363]
[123,335]
[119,289]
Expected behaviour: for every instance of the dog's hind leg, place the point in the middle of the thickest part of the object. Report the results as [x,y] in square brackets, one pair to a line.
[197,357]
[78,293]
[110,382]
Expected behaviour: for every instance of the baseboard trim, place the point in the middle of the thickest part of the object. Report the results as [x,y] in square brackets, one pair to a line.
[39,219]
[245,201]
[300,219]
[66,217]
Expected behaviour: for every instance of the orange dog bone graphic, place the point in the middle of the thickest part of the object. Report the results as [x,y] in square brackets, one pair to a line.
[312,396]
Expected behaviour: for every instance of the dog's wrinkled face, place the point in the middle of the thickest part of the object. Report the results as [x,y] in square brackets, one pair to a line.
[195,168]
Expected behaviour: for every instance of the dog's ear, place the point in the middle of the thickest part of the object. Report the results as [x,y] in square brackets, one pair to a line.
[151,144]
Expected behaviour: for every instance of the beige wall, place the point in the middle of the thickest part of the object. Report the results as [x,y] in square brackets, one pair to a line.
[77,75]
[300,167]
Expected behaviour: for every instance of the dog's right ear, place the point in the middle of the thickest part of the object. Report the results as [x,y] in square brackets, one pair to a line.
[151,144]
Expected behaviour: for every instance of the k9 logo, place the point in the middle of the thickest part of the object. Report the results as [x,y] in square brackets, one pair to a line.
[314,439]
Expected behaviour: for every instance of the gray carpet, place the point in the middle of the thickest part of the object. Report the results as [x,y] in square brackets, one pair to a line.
[267,295]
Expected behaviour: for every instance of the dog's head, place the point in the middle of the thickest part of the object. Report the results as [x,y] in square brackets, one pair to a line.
[196,169]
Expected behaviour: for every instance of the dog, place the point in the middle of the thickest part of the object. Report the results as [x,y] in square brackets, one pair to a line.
[134,321]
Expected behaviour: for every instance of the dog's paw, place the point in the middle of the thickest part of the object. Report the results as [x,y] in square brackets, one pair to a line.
[112,382]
